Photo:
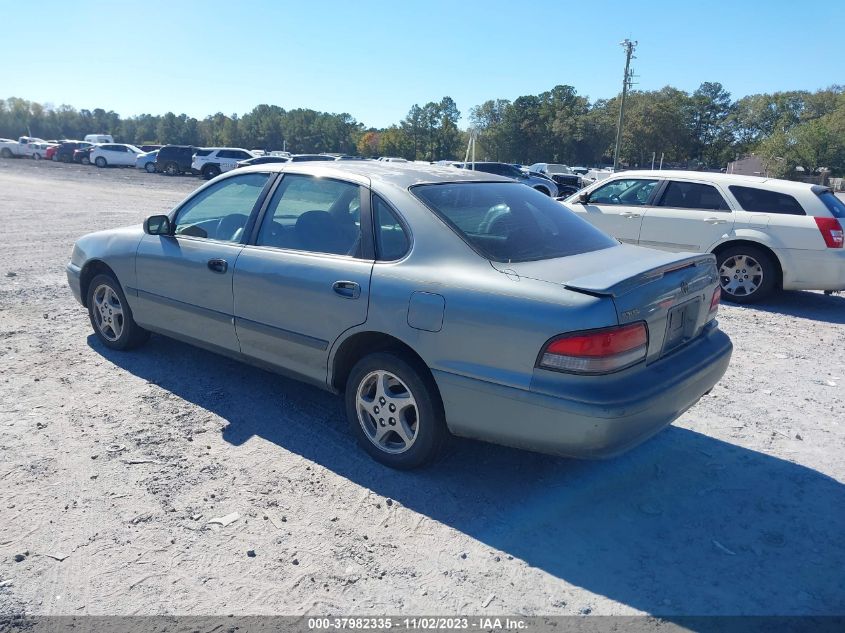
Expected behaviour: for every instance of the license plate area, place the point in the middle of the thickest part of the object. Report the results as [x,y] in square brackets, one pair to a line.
[681,325]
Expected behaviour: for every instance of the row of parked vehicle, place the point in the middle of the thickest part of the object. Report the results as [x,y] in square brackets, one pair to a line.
[552,179]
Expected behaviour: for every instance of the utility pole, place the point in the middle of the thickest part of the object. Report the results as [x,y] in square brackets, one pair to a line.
[629,47]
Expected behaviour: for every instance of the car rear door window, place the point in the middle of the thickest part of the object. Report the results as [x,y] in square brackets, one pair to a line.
[220,212]
[319,215]
[628,191]
[692,195]
[766,201]
[391,237]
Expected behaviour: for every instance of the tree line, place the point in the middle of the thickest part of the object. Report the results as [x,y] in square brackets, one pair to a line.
[704,129]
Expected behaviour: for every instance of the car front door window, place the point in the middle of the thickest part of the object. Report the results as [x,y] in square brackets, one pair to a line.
[624,192]
[220,212]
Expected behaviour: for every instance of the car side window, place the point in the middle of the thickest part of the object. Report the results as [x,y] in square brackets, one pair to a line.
[317,215]
[765,201]
[220,212]
[391,238]
[628,191]
[692,195]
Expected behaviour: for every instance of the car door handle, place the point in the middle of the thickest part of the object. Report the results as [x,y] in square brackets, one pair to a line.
[630,214]
[715,221]
[218,265]
[348,289]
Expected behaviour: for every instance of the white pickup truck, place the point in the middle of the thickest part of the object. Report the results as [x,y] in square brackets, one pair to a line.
[24,147]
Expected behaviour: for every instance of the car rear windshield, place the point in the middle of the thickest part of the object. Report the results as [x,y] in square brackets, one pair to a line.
[833,203]
[509,222]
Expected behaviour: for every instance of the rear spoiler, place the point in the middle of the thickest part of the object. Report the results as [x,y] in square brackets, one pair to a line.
[618,281]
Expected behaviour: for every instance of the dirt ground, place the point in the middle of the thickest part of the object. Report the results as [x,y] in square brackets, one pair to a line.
[112,465]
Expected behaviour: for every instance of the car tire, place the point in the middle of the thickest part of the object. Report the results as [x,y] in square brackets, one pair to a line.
[413,429]
[210,171]
[111,316]
[542,189]
[100,162]
[172,169]
[150,168]
[85,160]
[6,152]
[747,274]
[36,156]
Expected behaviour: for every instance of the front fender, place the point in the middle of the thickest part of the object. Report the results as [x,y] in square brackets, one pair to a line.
[115,248]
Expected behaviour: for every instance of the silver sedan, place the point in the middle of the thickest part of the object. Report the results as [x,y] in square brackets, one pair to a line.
[437,301]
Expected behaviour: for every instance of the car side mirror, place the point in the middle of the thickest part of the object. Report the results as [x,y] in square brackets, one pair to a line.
[583,198]
[157,225]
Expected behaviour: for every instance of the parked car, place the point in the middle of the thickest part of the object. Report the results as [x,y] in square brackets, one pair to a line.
[50,153]
[301,158]
[96,139]
[392,159]
[147,161]
[174,160]
[83,155]
[24,147]
[64,153]
[557,338]
[766,234]
[39,150]
[114,155]
[560,174]
[211,162]
[541,184]
[262,160]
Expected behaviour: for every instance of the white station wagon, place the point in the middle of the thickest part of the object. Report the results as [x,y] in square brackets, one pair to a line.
[767,234]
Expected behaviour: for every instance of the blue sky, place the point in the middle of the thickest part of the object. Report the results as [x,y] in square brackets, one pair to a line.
[376,58]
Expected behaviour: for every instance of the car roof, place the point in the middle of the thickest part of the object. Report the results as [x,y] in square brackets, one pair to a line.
[717,177]
[403,175]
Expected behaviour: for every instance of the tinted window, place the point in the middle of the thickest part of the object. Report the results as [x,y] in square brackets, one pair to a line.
[833,204]
[628,191]
[203,152]
[691,195]
[240,155]
[220,212]
[313,214]
[510,222]
[391,239]
[765,201]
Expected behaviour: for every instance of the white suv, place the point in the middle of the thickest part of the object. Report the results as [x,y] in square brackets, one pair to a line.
[210,162]
[766,233]
[110,154]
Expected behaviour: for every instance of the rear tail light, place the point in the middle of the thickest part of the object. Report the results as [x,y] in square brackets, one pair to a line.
[596,351]
[714,301]
[831,231]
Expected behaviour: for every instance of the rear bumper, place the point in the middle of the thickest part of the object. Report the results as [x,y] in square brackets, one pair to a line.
[592,418]
[74,274]
[813,270]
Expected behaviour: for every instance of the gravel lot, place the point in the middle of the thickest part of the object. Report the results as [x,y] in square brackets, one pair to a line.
[112,464]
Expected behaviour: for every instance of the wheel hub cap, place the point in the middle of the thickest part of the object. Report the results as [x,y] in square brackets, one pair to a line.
[108,312]
[387,411]
[740,275]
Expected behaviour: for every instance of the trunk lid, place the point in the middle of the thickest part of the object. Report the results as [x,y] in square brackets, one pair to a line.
[671,292]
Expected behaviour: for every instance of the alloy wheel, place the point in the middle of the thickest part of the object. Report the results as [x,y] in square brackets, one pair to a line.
[108,312]
[740,275]
[387,411]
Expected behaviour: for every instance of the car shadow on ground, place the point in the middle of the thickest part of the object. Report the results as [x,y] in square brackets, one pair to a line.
[803,304]
[684,525]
